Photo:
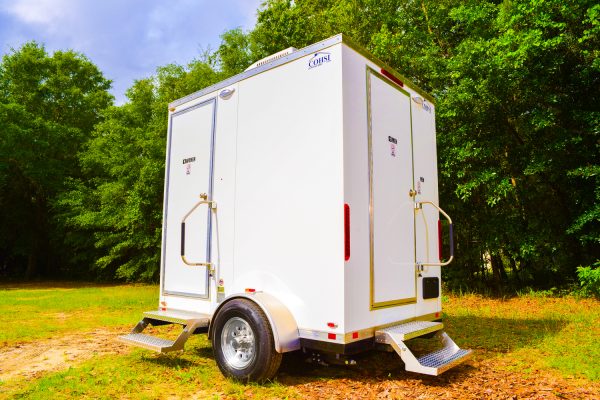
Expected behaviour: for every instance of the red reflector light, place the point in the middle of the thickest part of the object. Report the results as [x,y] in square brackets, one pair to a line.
[331,336]
[250,290]
[346,232]
[437,314]
[354,335]
[332,324]
[392,77]
[440,250]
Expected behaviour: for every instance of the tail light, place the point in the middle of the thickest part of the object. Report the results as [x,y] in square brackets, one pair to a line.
[346,232]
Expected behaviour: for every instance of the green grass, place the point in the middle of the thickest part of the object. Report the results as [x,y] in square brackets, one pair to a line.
[144,375]
[529,336]
[31,312]
[531,332]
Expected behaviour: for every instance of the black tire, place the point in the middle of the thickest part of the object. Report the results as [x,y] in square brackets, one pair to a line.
[258,365]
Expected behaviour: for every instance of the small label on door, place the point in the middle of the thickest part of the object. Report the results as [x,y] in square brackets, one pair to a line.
[187,164]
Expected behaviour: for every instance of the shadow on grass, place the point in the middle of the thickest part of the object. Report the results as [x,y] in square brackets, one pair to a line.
[168,360]
[487,336]
[482,334]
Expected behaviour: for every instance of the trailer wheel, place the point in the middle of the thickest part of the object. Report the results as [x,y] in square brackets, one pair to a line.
[243,343]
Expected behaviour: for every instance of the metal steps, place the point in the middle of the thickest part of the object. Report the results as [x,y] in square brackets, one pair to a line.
[433,363]
[190,321]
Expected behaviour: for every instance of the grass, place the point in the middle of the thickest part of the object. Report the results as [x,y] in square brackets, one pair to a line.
[29,313]
[528,335]
[145,376]
[531,332]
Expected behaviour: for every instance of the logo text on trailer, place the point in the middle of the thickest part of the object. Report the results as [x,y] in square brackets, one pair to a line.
[319,59]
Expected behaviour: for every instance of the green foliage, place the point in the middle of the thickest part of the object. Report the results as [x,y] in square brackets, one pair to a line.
[589,280]
[48,106]
[517,88]
[517,91]
[118,200]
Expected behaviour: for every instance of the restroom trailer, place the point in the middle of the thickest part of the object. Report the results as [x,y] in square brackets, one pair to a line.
[301,214]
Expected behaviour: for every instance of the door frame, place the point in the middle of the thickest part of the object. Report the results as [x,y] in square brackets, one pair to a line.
[409,300]
[206,295]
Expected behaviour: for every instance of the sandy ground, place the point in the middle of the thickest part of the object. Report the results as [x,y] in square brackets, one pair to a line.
[32,359]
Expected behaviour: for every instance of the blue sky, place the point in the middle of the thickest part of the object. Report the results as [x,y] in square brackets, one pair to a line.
[127,39]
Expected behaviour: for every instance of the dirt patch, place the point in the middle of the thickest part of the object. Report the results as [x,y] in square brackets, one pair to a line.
[30,360]
[484,378]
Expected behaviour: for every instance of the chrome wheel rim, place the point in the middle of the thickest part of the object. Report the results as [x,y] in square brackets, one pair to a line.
[238,343]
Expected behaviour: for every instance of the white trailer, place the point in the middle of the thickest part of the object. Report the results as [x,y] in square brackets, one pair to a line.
[300,213]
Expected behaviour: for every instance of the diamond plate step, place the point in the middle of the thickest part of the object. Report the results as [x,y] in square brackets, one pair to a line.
[148,342]
[433,363]
[190,321]
[179,317]
[444,359]
[407,330]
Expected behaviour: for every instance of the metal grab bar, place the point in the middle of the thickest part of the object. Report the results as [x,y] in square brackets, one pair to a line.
[419,205]
[213,206]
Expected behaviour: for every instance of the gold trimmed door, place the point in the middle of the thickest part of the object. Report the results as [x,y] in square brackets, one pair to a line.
[391,208]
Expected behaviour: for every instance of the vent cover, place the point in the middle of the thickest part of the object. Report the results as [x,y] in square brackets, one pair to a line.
[272,57]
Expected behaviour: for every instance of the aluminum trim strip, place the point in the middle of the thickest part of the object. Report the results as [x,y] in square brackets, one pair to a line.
[178,317]
[339,38]
[365,333]
[407,82]
[206,295]
[255,71]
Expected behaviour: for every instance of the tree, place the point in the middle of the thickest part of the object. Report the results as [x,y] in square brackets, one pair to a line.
[517,87]
[118,200]
[48,105]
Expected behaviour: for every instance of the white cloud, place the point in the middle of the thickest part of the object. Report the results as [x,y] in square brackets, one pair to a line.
[127,39]
[40,12]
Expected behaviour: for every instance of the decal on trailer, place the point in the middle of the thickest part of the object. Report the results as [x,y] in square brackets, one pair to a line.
[319,59]
[393,143]
[188,166]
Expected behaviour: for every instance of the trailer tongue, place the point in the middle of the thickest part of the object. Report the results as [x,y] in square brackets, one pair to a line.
[301,214]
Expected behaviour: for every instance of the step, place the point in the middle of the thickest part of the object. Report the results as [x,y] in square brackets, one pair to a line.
[148,342]
[408,330]
[444,359]
[190,321]
[433,363]
[180,317]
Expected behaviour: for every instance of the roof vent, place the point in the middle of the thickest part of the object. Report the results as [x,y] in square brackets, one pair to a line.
[272,57]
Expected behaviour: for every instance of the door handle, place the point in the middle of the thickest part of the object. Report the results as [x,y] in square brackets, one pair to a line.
[213,206]
[451,229]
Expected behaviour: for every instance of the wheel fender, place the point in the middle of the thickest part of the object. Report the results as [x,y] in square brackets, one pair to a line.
[283,324]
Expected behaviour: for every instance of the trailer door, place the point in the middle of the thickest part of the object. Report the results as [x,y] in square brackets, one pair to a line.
[392,231]
[187,246]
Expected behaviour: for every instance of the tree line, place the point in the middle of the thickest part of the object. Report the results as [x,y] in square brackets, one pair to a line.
[517,90]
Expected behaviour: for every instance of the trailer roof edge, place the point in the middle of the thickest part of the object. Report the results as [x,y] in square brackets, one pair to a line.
[339,38]
[365,53]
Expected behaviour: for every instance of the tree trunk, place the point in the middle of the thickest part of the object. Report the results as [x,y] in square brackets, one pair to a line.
[498,272]
[32,267]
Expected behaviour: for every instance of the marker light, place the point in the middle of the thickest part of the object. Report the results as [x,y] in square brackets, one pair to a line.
[392,78]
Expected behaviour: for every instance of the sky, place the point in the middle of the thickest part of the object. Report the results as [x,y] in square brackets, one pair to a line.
[126,39]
